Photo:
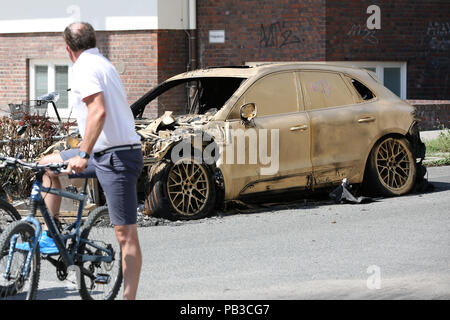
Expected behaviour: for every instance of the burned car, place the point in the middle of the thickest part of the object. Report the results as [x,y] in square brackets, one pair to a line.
[271,128]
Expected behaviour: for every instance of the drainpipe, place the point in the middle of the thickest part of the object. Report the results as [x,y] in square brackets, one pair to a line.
[192,36]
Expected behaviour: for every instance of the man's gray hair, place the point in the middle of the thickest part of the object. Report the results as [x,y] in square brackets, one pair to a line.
[80,36]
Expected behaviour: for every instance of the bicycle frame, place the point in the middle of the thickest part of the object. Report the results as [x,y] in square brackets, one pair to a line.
[69,257]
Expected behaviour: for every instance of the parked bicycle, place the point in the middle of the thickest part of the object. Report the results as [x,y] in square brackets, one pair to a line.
[29,132]
[89,248]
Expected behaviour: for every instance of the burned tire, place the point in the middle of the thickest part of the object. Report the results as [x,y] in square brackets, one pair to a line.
[391,169]
[183,190]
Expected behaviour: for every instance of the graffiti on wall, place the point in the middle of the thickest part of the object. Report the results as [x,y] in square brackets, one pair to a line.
[360,31]
[435,54]
[438,36]
[367,32]
[280,34]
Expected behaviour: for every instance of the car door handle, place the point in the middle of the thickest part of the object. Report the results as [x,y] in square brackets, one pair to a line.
[366,119]
[301,128]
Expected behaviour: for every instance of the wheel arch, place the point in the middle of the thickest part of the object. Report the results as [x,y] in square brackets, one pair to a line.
[398,133]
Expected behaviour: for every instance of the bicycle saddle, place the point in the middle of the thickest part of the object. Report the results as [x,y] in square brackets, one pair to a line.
[49,97]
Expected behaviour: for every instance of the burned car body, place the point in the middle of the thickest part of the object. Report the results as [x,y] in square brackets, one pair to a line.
[274,128]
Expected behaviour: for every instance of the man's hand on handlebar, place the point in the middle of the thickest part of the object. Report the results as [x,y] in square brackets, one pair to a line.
[77,164]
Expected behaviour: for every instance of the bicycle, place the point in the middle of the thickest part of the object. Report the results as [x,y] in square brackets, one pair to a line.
[97,262]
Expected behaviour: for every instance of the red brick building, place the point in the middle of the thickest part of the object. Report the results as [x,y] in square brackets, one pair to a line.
[407,43]
[145,40]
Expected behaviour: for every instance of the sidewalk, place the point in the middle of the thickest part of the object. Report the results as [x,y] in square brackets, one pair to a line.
[433,158]
[429,135]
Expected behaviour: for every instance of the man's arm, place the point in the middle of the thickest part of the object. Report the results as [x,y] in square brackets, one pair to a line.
[94,125]
[94,122]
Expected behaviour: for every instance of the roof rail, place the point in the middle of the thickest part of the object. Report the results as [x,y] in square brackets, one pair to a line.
[234,67]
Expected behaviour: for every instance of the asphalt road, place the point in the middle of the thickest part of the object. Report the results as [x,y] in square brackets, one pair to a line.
[396,248]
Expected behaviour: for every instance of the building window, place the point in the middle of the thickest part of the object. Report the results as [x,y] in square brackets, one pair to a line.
[392,79]
[48,76]
[391,74]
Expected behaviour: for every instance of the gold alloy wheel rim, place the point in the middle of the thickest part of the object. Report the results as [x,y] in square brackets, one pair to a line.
[393,163]
[188,187]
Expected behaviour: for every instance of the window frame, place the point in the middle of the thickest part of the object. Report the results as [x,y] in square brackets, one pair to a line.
[379,70]
[234,111]
[51,84]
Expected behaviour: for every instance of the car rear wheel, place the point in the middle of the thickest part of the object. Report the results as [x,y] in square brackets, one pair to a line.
[391,167]
[184,190]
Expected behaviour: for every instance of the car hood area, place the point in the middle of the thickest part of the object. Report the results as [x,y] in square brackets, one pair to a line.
[160,134]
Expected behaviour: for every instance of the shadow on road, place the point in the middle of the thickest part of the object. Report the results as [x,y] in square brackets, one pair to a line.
[282,201]
[307,200]
[56,293]
[439,186]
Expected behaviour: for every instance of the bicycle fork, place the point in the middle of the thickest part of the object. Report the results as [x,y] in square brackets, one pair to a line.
[12,249]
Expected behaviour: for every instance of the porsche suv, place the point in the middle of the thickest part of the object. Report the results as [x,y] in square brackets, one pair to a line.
[271,128]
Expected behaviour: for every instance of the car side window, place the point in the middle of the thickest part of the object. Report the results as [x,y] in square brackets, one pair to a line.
[324,89]
[274,94]
[364,93]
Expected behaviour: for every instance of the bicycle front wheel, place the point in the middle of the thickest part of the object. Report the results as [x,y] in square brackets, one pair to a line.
[105,278]
[15,284]
[8,214]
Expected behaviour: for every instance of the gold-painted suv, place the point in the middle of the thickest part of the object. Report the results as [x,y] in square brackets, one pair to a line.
[269,128]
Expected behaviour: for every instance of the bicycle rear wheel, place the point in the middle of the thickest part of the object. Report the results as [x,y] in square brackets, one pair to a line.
[14,285]
[8,214]
[99,230]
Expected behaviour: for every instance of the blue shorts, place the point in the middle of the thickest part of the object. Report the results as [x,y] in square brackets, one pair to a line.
[117,173]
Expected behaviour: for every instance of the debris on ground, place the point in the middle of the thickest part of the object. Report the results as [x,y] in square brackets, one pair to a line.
[343,194]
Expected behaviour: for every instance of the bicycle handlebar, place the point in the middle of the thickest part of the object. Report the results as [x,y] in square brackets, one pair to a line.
[13,162]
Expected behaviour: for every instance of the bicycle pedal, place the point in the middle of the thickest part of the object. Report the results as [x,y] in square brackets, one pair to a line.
[102,278]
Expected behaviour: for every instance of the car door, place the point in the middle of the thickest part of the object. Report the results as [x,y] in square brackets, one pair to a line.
[281,127]
[342,128]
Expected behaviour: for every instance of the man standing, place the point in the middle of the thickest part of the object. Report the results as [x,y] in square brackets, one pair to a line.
[110,148]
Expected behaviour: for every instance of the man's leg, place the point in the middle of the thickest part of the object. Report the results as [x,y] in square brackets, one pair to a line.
[50,179]
[117,173]
[52,201]
[127,236]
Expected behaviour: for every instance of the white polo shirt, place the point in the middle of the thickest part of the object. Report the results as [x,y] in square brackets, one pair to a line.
[93,73]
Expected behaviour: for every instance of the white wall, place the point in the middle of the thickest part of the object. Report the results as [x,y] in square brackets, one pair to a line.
[24,16]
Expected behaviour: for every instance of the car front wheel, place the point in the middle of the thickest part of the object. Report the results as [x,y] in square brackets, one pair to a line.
[184,190]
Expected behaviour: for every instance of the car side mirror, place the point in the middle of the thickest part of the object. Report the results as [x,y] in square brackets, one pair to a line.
[247,112]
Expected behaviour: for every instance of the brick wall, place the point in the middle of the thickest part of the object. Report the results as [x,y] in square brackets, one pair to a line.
[264,30]
[143,58]
[15,52]
[433,115]
[172,60]
[135,55]
[414,31]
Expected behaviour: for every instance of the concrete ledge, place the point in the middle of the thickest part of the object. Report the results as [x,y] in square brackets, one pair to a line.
[430,135]
[433,114]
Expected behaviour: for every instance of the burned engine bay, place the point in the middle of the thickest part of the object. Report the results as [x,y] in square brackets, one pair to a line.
[206,98]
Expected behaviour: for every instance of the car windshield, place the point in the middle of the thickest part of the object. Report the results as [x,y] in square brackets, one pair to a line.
[188,96]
